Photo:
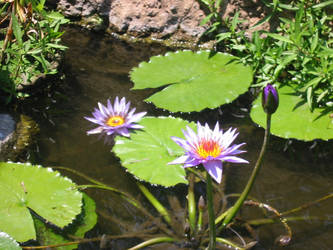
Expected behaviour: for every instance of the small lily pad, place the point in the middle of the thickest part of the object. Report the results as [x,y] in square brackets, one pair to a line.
[44,191]
[146,153]
[293,119]
[192,81]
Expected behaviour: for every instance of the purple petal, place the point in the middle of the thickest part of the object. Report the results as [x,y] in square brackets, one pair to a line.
[116,105]
[110,108]
[181,142]
[94,120]
[123,131]
[136,117]
[234,159]
[180,160]
[134,126]
[214,169]
[95,131]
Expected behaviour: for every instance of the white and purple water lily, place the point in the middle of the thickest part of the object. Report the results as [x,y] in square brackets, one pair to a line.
[209,148]
[116,119]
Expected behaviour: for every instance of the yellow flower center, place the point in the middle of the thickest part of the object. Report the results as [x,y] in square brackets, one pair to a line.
[208,148]
[115,121]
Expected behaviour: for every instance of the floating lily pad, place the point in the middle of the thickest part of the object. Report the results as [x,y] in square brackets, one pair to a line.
[146,153]
[293,119]
[192,81]
[24,187]
[8,243]
[47,235]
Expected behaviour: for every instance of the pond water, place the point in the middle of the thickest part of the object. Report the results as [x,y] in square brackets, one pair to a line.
[96,69]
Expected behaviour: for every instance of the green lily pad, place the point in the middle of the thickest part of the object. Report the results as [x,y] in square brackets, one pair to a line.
[8,243]
[146,153]
[24,187]
[192,81]
[47,235]
[293,119]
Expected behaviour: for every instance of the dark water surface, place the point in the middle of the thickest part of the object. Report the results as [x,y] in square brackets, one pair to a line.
[97,68]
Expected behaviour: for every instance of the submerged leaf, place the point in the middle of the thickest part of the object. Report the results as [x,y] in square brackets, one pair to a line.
[148,151]
[47,235]
[24,187]
[293,119]
[192,81]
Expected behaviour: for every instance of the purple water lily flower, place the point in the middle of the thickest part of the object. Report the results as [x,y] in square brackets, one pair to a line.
[116,119]
[209,148]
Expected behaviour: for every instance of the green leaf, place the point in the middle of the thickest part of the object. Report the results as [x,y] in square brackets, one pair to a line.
[322,5]
[8,243]
[193,80]
[17,29]
[147,152]
[280,38]
[293,119]
[42,190]
[47,235]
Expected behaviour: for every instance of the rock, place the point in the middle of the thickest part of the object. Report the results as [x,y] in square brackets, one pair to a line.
[142,18]
[7,127]
[175,20]
[15,137]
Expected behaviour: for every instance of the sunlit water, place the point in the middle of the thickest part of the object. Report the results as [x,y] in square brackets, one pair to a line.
[97,68]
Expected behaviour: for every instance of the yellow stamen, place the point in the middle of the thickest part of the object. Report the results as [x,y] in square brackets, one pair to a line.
[115,121]
[208,148]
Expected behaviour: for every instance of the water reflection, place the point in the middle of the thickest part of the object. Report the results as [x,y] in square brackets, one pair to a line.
[97,69]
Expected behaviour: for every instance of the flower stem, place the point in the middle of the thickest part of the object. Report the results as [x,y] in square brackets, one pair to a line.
[211,215]
[122,194]
[191,203]
[158,206]
[233,211]
[152,242]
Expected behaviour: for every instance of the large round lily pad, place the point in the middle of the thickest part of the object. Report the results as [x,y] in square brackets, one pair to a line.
[293,119]
[24,187]
[192,81]
[146,153]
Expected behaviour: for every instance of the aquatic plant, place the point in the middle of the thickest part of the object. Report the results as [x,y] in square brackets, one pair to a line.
[208,79]
[54,198]
[210,148]
[116,119]
[270,99]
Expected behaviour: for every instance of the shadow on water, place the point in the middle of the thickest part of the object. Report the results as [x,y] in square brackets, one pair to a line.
[97,68]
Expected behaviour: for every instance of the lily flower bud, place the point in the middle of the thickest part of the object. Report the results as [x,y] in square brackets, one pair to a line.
[270,99]
[201,204]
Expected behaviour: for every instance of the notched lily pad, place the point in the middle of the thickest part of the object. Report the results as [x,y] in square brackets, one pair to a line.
[44,191]
[192,81]
[146,153]
[293,119]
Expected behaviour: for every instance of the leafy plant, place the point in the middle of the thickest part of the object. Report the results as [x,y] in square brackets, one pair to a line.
[213,18]
[298,54]
[31,44]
